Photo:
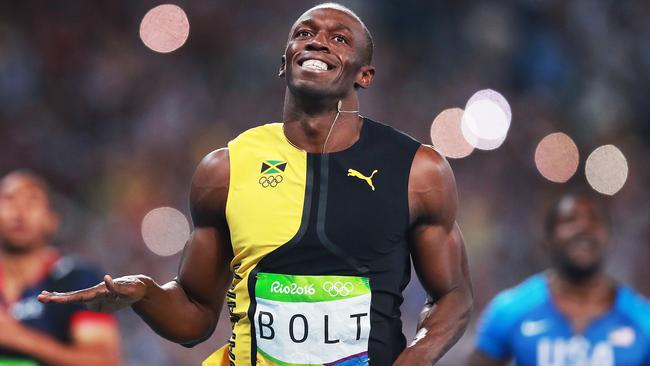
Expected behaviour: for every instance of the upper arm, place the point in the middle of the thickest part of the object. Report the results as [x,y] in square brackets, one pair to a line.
[435,239]
[204,271]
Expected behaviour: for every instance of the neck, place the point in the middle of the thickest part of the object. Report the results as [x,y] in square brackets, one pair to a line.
[20,265]
[308,121]
[597,286]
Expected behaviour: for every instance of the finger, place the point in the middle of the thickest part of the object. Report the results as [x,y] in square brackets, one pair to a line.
[113,289]
[73,296]
[44,297]
[60,298]
[110,284]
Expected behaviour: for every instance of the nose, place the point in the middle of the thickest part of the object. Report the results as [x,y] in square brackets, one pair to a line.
[588,224]
[317,43]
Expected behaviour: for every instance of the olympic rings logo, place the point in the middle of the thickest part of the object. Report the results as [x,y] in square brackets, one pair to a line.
[270,181]
[338,288]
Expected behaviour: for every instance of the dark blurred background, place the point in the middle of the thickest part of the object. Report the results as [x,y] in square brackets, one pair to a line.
[118,129]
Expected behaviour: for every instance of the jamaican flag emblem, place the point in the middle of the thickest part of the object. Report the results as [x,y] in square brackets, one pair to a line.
[271,173]
[273,167]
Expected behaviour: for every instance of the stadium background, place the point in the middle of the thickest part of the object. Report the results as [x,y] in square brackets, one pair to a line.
[118,128]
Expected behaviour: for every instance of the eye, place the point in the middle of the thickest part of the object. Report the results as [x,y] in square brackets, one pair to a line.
[302,33]
[341,39]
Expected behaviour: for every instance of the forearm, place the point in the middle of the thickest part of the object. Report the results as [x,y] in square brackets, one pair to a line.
[173,315]
[443,324]
[52,352]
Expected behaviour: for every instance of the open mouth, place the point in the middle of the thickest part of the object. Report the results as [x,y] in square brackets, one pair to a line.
[315,65]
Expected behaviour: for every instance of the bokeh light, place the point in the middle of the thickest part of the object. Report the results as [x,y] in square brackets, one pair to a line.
[447,136]
[486,120]
[164,28]
[165,231]
[557,157]
[606,169]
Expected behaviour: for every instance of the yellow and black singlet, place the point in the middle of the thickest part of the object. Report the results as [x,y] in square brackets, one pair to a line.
[320,252]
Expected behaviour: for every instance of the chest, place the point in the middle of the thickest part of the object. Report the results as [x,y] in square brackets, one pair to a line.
[550,341]
[14,283]
[355,198]
[582,314]
[362,200]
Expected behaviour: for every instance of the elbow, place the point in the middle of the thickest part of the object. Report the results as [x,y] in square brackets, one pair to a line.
[191,340]
[188,336]
[192,343]
[466,305]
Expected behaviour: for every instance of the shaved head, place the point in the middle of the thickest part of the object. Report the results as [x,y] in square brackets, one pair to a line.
[369,49]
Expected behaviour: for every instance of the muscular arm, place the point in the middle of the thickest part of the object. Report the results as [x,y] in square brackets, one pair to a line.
[187,309]
[439,259]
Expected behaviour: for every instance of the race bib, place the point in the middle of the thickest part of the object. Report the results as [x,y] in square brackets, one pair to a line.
[312,320]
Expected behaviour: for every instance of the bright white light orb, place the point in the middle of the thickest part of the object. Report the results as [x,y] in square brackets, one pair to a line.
[606,169]
[486,120]
[165,231]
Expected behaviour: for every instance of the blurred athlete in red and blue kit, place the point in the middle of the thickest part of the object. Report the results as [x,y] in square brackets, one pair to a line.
[33,333]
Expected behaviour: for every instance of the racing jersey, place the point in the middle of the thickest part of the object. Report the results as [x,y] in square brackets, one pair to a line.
[60,274]
[320,252]
[523,324]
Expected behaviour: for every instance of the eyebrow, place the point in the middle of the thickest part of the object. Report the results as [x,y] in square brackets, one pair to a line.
[338,26]
[341,26]
[307,22]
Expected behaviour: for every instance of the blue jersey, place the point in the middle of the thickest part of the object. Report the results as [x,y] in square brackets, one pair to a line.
[523,324]
[60,274]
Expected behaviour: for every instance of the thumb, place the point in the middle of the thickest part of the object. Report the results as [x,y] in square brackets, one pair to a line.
[110,284]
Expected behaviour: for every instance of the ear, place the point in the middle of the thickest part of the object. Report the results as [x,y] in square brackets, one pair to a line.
[283,67]
[365,76]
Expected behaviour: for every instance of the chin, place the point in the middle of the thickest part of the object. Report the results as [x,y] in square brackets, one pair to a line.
[310,89]
[16,246]
[580,271]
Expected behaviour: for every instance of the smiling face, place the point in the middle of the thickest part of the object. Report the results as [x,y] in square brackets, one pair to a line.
[578,236]
[26,218]
[327,54]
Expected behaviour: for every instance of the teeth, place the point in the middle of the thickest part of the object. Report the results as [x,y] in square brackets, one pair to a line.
[314,64]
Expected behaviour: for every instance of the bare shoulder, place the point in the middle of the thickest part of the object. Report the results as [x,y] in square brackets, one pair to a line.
[213,170]
[429,170]
[433,197]
[209,191]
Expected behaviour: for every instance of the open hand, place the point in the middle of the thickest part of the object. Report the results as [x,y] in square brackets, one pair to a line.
[107,296]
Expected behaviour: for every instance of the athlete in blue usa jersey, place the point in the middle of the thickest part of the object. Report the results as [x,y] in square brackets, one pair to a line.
[574,314]
[523,323]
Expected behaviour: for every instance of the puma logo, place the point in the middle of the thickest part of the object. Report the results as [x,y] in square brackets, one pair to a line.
[356,174]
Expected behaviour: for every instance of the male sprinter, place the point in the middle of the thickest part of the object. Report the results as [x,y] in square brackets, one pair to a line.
[306,227]
[573,314]
[32,333]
